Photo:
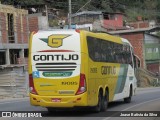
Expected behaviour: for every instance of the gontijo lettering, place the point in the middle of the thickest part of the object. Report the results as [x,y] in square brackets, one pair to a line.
[55,57]
[109,70]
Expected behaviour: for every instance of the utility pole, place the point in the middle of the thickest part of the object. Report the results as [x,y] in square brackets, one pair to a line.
[69,14]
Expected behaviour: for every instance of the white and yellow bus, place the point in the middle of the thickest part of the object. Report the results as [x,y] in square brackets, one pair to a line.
[76,68]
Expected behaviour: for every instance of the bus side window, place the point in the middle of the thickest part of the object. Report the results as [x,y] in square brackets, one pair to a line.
[97,47]
[103,50]
[129,57]
[91,48]
[136,62]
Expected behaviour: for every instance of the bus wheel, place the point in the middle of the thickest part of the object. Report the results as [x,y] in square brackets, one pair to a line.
[128,99]
[105,102]
[98,108]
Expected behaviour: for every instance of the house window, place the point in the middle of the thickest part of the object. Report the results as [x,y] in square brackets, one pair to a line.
[2,57]
[10,18]
[156,50]
[106,16]
[14,55]
[152,50]
[26,53]
[112,17]
[149,50]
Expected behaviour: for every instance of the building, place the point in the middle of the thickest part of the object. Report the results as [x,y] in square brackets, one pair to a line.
[113,21]
[15,26]
[37,21]
[152,50]
[97,20]
[13,35]
[86,19]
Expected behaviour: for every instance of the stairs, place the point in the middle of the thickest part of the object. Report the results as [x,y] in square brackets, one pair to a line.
[13,84]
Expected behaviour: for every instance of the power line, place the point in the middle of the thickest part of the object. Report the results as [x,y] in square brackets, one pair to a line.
[84,5]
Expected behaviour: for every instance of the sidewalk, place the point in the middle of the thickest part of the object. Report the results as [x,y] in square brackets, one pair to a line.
[8,99]
[147,88]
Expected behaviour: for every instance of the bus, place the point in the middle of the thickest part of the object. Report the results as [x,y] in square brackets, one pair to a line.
[78,68]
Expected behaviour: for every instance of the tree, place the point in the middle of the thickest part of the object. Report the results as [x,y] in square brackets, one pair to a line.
[148,9]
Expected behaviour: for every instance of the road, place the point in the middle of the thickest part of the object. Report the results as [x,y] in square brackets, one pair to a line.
[147,99]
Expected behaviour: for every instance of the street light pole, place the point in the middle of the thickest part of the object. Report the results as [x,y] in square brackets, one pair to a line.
[70,13]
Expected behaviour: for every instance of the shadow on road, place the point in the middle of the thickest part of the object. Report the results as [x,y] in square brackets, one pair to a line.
[84,112]
[115,104]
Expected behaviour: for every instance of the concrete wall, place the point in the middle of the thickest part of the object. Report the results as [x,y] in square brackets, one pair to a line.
[37,22]
[140,24]
[42,22]
[153,67]
[33,24]
[3,28]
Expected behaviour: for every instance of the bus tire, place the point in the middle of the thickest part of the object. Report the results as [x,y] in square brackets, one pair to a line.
[98,108]
[128,99]
[105,102]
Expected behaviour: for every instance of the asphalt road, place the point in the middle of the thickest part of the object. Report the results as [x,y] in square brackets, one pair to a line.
[147,99]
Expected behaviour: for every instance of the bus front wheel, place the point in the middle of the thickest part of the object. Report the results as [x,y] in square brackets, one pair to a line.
[128,99]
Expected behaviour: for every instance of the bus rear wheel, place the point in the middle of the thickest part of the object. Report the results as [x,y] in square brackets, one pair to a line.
[104,102]
[98,107]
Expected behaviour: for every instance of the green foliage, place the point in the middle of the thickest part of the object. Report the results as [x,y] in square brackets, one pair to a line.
[53,23]
[22,2]
[158,34]
[148,9]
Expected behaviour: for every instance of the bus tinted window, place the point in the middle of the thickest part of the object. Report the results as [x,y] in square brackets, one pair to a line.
[105,51]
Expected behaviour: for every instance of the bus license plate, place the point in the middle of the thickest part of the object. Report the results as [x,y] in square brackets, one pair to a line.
[56,99]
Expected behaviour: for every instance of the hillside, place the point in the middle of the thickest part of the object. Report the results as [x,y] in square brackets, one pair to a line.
[148,9]
[146,78]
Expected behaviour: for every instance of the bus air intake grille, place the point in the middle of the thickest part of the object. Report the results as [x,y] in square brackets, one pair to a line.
[56,67]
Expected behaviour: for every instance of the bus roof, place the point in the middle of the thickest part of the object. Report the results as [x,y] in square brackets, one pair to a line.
[105,36]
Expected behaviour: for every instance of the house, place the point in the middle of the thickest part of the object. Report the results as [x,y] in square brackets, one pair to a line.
[97,20]
[113,21]
[152,50]
[86,19]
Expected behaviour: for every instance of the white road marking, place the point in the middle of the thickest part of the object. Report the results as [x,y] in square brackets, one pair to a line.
[132,107]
